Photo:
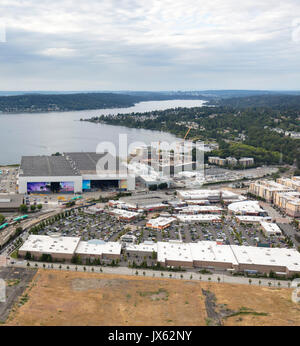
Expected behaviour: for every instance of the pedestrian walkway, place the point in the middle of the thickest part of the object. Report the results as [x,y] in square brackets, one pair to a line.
[191,276]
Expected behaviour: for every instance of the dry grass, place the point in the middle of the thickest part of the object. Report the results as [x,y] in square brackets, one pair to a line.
[72,298]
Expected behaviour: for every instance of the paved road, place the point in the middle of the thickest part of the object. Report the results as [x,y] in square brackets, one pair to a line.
[274,214]
[223,277]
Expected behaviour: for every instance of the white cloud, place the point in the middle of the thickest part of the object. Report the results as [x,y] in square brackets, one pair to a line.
[181,36]
[58,52]
[296,30]
[183,23]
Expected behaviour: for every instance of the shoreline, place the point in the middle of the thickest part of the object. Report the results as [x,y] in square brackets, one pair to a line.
[95,109]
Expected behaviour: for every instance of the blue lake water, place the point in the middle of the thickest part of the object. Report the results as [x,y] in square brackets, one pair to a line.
[47,133]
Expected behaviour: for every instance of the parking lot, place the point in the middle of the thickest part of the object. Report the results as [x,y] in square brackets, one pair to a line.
[8,180]
[108,228]
[228,232]
[79,224]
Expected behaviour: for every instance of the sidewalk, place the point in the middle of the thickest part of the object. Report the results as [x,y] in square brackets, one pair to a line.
[191,276]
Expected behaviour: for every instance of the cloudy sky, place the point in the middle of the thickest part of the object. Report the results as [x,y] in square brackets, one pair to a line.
[149,44]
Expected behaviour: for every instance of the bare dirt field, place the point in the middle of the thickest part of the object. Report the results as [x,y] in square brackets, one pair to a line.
[16,282]
[71,298]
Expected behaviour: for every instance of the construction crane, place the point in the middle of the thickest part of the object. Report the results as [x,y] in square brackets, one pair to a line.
[187,132]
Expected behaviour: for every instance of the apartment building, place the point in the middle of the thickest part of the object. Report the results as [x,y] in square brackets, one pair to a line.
[267,189]
[293,183]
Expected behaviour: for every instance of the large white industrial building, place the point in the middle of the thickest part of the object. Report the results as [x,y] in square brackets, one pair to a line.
[72,173]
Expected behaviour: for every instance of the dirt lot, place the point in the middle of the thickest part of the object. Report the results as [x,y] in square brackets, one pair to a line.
[71,298]
[17,280]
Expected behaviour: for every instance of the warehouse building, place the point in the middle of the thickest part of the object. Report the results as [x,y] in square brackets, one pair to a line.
[71,173]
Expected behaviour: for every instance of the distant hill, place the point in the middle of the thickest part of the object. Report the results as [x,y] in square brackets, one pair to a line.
[69,102]
[81,101]
[280,102]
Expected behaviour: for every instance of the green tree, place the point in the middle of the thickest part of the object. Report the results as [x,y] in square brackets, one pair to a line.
[28,256]
[23,208]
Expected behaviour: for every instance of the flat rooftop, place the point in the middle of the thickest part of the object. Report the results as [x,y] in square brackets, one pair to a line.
[123,213]
[210,251]
[86,163]
[46,166]
[174,251]
[201,209]
[208,194]
[53,244]
[270,228]
[93,248]
[267,256]
[160,221]
[198,217]
[10,201]
[149,199]
[250,218]
[143,247]
[245,207]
